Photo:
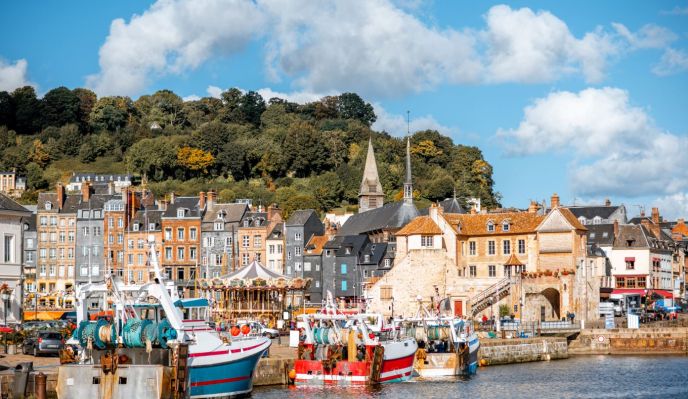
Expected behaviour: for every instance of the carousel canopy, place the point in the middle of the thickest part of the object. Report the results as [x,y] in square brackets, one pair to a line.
[256,275]
[253,271]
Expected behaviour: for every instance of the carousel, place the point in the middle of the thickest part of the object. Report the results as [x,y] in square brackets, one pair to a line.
[252,293]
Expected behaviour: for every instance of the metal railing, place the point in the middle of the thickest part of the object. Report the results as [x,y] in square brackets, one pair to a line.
[532,328]
[480,301]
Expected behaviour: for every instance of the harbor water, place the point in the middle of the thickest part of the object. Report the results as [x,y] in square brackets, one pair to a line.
[577,377]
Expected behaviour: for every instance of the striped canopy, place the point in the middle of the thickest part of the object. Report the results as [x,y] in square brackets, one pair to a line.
[253,271]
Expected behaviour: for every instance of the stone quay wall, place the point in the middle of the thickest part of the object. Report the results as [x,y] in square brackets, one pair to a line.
[625,341]
[506,351]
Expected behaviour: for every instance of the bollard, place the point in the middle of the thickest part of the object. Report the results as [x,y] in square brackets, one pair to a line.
[41,380]
[21,379]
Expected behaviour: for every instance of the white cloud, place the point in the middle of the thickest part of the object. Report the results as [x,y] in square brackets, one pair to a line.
[396,125]
[616,147]
[676,11]
[214,91]
[299,97]
[649,36]
[373,47]
[672,207]
[13,76]
[191,97]
[172,37]
[524,46]
[672,62]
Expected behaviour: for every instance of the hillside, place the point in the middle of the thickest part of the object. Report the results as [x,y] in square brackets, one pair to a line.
[298,155]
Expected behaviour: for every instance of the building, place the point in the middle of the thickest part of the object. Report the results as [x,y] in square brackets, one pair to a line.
[90,230]
[119,182]
[274,258]
[370,195]
[640,261]
[56,215]
[115,221]
[343,274]
[146,223]
[11,184]
[181,225]
[313,267]
[219,235]
[12,228]
[30,253]
[253,232]
[299,228]
[599,214]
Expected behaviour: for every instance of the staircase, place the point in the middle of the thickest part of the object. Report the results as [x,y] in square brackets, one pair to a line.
[491,295]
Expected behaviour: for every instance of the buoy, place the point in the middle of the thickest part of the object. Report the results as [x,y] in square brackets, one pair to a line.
[245,329]
[292,374]
[371,336]
[483,362]
[234,331]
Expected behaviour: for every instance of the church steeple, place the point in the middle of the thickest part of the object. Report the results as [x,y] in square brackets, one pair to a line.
[408,184]
[371,195]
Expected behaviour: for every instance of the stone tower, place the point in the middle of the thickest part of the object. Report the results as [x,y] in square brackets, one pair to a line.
[408,185]
[371,195]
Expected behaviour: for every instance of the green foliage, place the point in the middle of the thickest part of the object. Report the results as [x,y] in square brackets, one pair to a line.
[504,310]
[300,156]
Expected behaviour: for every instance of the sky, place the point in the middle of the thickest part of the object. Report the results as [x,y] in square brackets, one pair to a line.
[587,99]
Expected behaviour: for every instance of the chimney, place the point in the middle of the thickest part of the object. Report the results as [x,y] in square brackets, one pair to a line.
[172,197]
[533,207]
[607,202]
[201,200]
[554,201]
[616,228]
[473,210]
[642,212]
[211,198]
[111,187]
[273,212]
[655,215]
[60,195]
[85,191]
[162,205]
[433,211]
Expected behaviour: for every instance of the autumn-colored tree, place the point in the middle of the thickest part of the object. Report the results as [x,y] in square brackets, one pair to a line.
[195,159]
[39,154]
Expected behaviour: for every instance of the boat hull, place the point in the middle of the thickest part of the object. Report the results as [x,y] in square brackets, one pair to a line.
[439,365]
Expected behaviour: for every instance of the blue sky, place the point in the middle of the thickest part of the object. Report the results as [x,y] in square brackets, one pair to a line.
[587,99]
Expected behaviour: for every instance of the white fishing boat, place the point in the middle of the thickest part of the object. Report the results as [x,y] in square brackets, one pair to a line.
[155,346]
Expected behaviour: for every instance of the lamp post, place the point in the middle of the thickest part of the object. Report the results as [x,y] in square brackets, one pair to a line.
[6,302]
[392,307]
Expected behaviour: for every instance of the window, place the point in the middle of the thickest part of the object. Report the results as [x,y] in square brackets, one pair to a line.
[620,282]
[317,283]
[328,253]
[471,247]
[507,271]
[135,227]
[111,239]
[151,226]
[29,256]
[53,237]
[120,222]
[130,244]
[344,287]
[86,230]
[272,264]
[219,226]
[307,266]
[120,238]
[180,273]
[85,251]
[245,241]
[597,220]
[62,253]
[43,253]
[180,234]
[53,220]
[317,267]
[386,293]
[130,259]
[288,255]
[111,222]
[297,236]
[83,270]
[52,270]
[472,270]
[388,262]
[140,275]
[192,253]
[490,226]
[139,243]
[506,247]
[521,246]
[257,241]
[244,259]
[42,270]
[505,226]
[490,247]
[96,251]
[343,268]
[96,231]
[168,234]
[180,253]
[297,251]
[297,266]
[168,253]
[192,234]
[271,249]
[9,249]
[180,212]
[426,241]
[70,236]
[582,220]
[630,263]
[492,270]
[44,220]
[53,253]
[44,236]
[140,259]
[70,253]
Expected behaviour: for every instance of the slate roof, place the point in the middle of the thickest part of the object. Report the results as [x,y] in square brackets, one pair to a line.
[376,251]
[632,236]
[98,177]
[300,217]
[394,215]
[354,242]
[589,212]
[420,225]
[8,204]
[190,203]
[31,221]
[277,232]
[95,201]
[476,225]
[252,216]
[43,198]
[601,234]
[145,217]
[571,218]
[233,212]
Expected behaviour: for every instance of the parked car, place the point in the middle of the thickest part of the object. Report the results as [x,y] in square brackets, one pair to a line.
[43,342]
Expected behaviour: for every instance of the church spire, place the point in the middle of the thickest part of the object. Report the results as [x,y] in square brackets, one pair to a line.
[371,195]
[408,184]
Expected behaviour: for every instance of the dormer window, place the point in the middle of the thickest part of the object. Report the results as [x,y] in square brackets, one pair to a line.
[256,222]
[247,222]
[597,220]
[582,220]
[505,225]
[180,212]
[48,205]
[366,258]
[490,226]
[151,226]
[219,226]
[135,226]
[221,215]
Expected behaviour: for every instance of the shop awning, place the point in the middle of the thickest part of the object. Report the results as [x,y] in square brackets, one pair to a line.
[663,293]
[629,291]
[629,259]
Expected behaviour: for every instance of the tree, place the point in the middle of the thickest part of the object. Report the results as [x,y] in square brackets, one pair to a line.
[6,110]
[352,106]
[112,113]
[87,100]
[327,190]
[26,107]
[34,177]
[195,159]
[59,107]
[157,157]
[242,108]
[38,154]
[306,150]
[232,160]
[94,146]
[295,202]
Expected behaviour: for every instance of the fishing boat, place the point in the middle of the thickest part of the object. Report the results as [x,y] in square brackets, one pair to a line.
[330,354]
[155,345]
[448,345]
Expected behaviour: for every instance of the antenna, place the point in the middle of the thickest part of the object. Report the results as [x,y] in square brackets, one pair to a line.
[408,123]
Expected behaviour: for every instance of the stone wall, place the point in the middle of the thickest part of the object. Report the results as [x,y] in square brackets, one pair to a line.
[620,341]
[506,351]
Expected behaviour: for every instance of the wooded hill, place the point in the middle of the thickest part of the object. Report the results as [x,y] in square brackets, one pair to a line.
[298,155]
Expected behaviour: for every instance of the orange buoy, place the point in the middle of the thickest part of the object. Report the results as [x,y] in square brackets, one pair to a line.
[483,362]
[292,374]
[245,329]
[234,331]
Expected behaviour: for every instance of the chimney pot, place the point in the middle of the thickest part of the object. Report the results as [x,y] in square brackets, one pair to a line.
[555,201]
[212,195]
[201,200]
[607,202]
[60,195]
[655,215]
[85,191]
[616,228]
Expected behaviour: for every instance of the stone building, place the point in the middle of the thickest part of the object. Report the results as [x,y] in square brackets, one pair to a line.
[181,225]
[313,267]
[370,195]
[12,229]
[298,230]
[599,214]
[30,253]
[253,231]
[146,222]
[275,243]
[118,182]
[219,236]
[11,184]
[90,230]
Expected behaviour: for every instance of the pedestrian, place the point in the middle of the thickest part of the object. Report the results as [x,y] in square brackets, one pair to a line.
[573,317]
[484,319]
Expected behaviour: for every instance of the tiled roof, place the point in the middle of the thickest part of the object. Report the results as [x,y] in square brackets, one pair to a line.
[680,228]
[233,212]
[420,225]
[8,204]
[390,216]
[190,203]
[476,225]
[513,261]
[315,245]
[571,218]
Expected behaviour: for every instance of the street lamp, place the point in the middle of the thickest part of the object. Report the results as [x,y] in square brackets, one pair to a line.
[6,302]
